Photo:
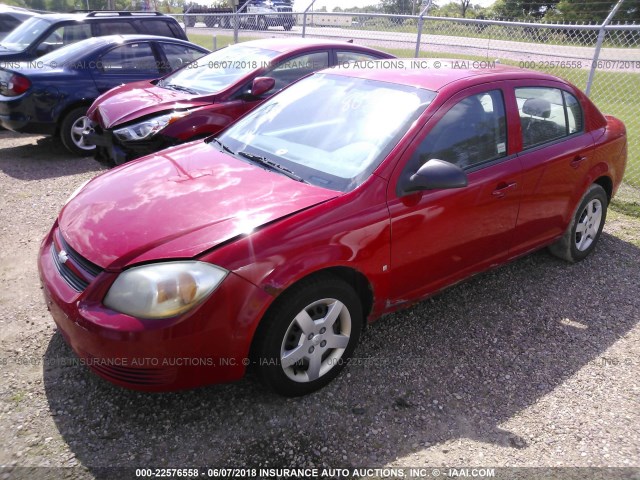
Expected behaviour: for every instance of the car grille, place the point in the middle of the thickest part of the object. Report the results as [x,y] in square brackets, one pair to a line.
[135,376]
[76,270]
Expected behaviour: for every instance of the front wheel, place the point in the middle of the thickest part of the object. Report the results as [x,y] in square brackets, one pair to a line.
[308,336]
[74,124]
[585,228]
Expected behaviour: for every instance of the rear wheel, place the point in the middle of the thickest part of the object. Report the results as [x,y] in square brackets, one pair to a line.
[262,23]
[308,336]
[585,228]
[71,129]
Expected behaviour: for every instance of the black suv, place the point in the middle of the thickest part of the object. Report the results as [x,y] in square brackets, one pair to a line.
[42,34]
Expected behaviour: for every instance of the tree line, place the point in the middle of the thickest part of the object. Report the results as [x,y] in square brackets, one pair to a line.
[551,11]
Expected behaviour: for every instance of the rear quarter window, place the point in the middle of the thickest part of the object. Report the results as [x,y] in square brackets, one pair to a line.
[157,27]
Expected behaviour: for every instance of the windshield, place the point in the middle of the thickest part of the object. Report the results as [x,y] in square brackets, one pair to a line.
[25,34]
[219,69]
[329,130]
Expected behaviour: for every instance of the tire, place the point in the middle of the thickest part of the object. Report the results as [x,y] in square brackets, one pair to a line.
[262,23]
[288,26]
[210,21]
[585,227]
[226,22]
[307,337]
[189,21]
[71,132]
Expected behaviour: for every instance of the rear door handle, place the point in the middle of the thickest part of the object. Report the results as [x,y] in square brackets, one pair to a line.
[502,189]
[577,160]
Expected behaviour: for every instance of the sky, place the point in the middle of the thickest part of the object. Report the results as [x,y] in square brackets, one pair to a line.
[300,5]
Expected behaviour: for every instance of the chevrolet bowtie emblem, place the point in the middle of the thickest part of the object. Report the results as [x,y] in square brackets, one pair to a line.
[63,256]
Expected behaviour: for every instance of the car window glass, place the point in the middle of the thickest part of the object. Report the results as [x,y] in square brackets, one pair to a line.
[116,28]
[8,23]
[542,115]
[179,55]
[68,34]
[26,33]
[473,131]
[131,58]
[158,27]
[352,57]
[574,113]
[297,67]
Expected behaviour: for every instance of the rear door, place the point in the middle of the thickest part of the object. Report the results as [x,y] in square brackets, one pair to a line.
[555,155]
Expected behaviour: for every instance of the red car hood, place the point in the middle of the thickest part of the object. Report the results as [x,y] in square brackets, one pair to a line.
[135,100]
[177,204]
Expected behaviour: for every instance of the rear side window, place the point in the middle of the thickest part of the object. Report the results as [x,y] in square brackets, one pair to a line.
[115,28]
[131,58]
[547,114]
[353,57]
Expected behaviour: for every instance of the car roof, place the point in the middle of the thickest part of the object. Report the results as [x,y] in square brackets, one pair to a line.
[97,42]
[423,73]
[84,16]
[286,44]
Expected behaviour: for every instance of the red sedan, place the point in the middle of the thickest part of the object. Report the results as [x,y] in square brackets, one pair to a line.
[207,95]
[349,195]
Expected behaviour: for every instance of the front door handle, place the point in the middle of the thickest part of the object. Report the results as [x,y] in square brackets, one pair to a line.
[502,189]
[577,160]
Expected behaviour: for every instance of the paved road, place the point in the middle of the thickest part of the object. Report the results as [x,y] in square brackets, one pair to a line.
[491,48]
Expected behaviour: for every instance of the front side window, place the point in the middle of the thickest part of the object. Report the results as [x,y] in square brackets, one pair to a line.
[547,114]
[179,55]
[472,132]
[131,58]
[297,67]
[68,34]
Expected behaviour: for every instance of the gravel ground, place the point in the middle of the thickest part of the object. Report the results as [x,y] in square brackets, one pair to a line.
[533,364]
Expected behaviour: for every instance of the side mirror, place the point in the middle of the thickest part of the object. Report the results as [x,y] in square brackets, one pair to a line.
[262,85]
[433,175]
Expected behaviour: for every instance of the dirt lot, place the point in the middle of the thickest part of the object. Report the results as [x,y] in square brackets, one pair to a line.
[533,364]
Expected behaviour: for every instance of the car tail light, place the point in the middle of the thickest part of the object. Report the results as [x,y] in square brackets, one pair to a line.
[13,84]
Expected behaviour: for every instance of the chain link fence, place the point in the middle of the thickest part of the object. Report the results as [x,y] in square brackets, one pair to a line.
[603,60]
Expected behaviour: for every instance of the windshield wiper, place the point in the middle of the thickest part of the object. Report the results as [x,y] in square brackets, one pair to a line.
[179,88]
[224,147]
[271,165]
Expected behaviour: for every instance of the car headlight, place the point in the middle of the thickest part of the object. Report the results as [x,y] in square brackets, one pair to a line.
[148,128]
[163,290]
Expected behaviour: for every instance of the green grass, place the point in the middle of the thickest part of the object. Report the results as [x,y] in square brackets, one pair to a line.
[206,41]
[615,93]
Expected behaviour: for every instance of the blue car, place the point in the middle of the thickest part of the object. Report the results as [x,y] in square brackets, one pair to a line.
[51,95]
